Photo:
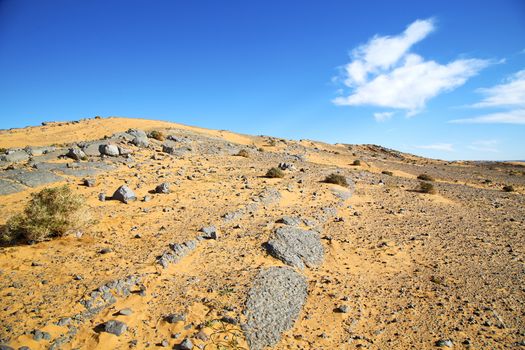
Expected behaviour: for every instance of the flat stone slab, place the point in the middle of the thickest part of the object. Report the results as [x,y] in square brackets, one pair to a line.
[8,187]
[296,247]
[32,178]
[274,303]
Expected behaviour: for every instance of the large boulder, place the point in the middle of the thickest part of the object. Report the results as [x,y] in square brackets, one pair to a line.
[124,194]
[109,150]
[274,303]
[76,154]
[140,141]
[296,247]
[15,156]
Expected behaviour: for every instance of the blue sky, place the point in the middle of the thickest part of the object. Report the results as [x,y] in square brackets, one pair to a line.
[436,78]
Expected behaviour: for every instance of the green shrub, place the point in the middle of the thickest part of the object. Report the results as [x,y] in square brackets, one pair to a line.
[508,188]
[356,162]
[243,153]
[387,172]
[425,177]
[157,135]
[275,173]
[426,187]
[52,212]
[336,179]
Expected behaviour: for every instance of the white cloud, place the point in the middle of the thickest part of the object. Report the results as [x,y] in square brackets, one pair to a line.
[447,147]
[383,116]
[383,72]
[510,93]
[508,117]
[484,146]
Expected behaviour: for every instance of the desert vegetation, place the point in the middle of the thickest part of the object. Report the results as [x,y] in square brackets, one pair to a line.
[336,179]
[275,173]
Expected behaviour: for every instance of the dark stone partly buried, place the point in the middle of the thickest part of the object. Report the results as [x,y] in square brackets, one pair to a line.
[115,327]
[274,303]
[296,247]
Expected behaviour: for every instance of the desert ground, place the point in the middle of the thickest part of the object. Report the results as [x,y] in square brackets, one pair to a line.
[228,258]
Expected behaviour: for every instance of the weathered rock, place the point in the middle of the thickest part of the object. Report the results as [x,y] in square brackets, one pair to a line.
[76,154]
[6,347]
[186,344]
[274,303]
[115,327]
[444,343]
[15,156]
[102,197]
[176,253]
[125,312]
[109,150]
[8,187]
[163,188]
[286,166]
[209,232]
[296,247]
[174,318]
[290,220]
[124,194]
[124,151]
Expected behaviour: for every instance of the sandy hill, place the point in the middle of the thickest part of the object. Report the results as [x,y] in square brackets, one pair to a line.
[209,253]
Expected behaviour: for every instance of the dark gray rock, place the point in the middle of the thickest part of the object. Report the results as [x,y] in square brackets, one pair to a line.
[124,151]
[174,318]
[286,166]
[176,253]
[290,220]
[343,309]
[38,335]
[186,344]
[109,150]
[125,312]
[209,232]
[32,178]
[274,303]
[76,154]
[102,197]
[64,321]
[124,194]
[296,247]
[163,188]
[115,327]
[8,187]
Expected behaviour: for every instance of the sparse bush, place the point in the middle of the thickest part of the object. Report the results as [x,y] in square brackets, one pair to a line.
[52,212]
[387,172]
[3,150]
[336,179]
[426,187]
[272,142]
[508,188]
[425,177]
[157,135]
[98,117]
[243,153]
[356,162]
[275,173]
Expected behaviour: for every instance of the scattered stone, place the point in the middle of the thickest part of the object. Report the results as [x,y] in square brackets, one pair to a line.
[290,220]
[286,166]
[140,141]
[444,343]
[163,188]
[174,318]
[89,182]
[102,197]
[38,335]
[76,154]
[201,335]
[124,194]
[176,253]
[186,344]
[124,151]
[209,232]
[343,309]
[64,321]
[5,347]
[105,250]
[296,247]
[274,303]
[115,327]
[125,312]
[109,150]
[164,343]
[146,198]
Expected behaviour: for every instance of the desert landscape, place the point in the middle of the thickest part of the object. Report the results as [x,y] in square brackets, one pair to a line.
[194,238]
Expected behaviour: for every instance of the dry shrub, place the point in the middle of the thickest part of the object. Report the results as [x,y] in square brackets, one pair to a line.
[356,162]
[157,135]
[425,177]
[52,212]
[387,172]
[336,179]
[426,187]
[508,188]
[275,173]
[243,153]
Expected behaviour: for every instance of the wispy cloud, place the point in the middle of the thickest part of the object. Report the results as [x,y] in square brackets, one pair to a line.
[511,93]
[511,117]
[383,116]
[484,146]
[383,72]
[447,147]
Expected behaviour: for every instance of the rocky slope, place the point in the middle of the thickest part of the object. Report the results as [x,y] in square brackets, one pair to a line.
[221,257]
